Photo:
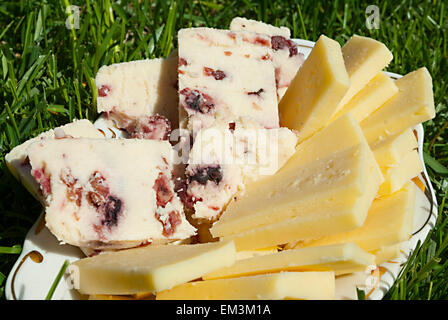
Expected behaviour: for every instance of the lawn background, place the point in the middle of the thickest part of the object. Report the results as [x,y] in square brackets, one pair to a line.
[47,73]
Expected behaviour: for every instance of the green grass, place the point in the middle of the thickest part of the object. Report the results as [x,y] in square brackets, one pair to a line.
[47,72]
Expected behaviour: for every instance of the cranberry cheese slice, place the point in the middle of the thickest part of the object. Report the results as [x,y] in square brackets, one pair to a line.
[225,75]
[140,96]
[224,159]
[108,193]
[17,159]
[286,57]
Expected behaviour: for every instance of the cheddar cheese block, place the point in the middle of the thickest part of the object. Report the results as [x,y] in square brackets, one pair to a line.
[364,58]
[286,57]
[315,91]
[223,160]
[387,253]
[148,269]
[317,199]
[388,222]
[395,177]
[17,159]
[277,286]
[93,191]
[307,182]
[129,92]
[340,258]
[225,75]
[372,96]
[413,104]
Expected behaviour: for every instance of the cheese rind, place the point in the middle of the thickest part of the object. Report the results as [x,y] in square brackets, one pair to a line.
[316,89]
[413,104]
[388,222]
[372,96]
[149,269]
[306,183]
[17,158]
[364,58]
[108,193]
[283,285]
[341,259]
[128,91]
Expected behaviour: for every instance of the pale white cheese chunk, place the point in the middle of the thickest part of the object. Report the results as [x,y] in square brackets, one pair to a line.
[225,75]
[108,193]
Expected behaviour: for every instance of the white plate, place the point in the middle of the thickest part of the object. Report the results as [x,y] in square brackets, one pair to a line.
[42,256]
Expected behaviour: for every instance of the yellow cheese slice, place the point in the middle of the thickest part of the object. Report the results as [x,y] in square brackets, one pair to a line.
[245,254]
[413,104]
[389,221]
[340,258]
[299,186]
[374,94]
[313,95]
[275,286]
[387,253]
[407,168]
[364,58]
[149,269]
[389,152]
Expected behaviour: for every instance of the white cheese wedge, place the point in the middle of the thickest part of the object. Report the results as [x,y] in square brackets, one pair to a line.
[407,168]
[305,182]
[276,286]
[413,104]
[286,57]
[17,159]
[315,91]
[108,193]
[372,96]
[148,269]
[133,90]
[222,161]
[364,58]
[318,198]
[225,75]
[340,258]
[388,222]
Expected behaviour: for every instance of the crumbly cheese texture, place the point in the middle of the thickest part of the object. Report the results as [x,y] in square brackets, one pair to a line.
[364,58]
[314,93]
[340,258]
[413,104]
[320,168]
[108,193]
[151,268]
[222,161]
[286,57]
[17,159]
[317,199]
[388,222]
[371,97]
[131,90]
[225,75]
[276,286]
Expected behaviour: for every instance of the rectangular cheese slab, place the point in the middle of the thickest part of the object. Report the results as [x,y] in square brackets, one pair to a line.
[388,153]
[407,168]
[389,221]
[17,159]
[340,258]
[372,96]
[306,182]
[130,91]
[413,104]
[286,57]
[225,75]
[323,197]
[108,193]
[315,91]
[276,286]
[387,253]
[149,269]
